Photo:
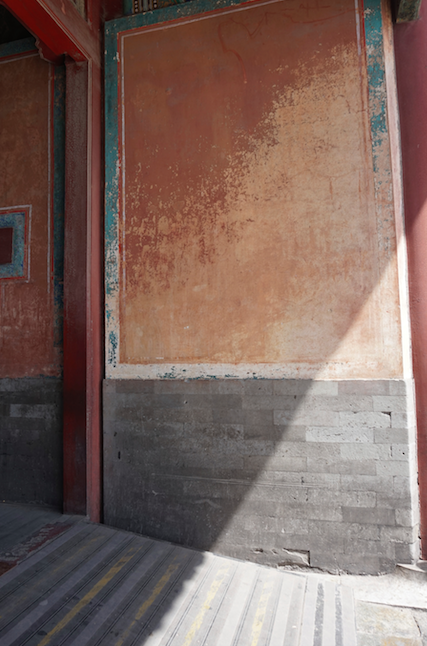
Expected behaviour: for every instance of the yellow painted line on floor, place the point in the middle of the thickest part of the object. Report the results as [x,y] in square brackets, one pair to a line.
[76,555]
[206,606]
[144,607]
[30,587]
[90,595]
[260,612]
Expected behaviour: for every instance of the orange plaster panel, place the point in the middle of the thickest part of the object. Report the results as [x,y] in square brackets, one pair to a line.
[248,228]
[26,308]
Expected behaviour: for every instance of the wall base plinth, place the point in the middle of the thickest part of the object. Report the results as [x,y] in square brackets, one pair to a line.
[272,471]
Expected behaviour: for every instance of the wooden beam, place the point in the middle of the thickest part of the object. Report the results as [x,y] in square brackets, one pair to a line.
[58,24]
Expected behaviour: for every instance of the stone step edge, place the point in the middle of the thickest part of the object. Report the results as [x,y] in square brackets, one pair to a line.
[416,571]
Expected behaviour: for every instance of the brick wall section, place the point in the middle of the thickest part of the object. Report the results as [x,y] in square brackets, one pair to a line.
[259,468]
[31,440]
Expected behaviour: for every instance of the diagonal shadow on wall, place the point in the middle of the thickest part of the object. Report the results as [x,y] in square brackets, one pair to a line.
[276,470]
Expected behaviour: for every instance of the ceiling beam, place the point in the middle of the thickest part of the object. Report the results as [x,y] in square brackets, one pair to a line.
[58,24]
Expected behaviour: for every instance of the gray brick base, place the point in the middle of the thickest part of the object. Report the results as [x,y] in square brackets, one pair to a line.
[273,471]
[31,440]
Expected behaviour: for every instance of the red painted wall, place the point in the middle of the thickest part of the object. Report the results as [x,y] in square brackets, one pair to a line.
[411,69]
[249,233]
[27,308]
[63,31]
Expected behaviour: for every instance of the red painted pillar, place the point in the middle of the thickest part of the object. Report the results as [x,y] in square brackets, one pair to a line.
[62,30]
[75,281]
[411,69]
[94,313]
[95,289]
[83,366]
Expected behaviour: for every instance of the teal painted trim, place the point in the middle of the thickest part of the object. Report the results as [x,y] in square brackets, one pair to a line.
[112,176]
[16,219]
[376,77]
[111,163]
[18,47]
[58,202]
[112,349]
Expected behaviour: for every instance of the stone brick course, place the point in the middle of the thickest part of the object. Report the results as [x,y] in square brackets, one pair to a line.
[31,440]
[252,468]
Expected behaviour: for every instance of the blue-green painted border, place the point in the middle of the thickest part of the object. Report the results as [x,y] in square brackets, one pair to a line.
[376,76]
[381,154]
[16,220]
[18,47]
[112,176]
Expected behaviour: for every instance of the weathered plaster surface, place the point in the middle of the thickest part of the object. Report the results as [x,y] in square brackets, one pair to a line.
[30,310]
[256,234]
[254,401]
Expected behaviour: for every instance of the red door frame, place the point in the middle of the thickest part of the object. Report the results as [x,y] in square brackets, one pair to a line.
[62,31]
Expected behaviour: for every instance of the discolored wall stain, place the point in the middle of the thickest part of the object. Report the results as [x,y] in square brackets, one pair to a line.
[249,229]
[27,322]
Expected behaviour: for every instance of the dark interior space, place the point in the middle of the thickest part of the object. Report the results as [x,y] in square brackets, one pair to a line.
[10,28]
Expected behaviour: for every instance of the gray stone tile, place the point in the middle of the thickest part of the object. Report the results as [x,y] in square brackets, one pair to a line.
[364,387]
[373,515]
[129,386]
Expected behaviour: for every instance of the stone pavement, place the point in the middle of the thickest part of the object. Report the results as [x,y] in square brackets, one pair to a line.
[391,610]
[70,582]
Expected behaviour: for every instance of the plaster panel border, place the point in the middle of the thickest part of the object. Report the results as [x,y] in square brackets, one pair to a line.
[19,219]
[369,25]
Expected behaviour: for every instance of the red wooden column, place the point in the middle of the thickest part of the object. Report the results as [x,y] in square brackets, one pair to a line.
[62,31]
[94,301]
[411,67]
[75,279]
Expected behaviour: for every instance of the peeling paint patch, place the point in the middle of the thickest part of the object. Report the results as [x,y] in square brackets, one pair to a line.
[112,349]
[381,155]
[250,243]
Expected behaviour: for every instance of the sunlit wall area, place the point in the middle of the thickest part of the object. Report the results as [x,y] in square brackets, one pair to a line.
[258,393]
